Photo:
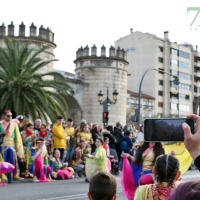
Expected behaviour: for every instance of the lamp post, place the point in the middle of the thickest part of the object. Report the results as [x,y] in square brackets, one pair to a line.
[106,103]
[176,82]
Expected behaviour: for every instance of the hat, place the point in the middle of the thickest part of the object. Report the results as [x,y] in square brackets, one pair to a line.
[59,117]
[70,120]
[83,121]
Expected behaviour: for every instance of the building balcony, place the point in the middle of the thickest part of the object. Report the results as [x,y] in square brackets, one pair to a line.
[197,63]
[147,107]
[134,105]
[197,83]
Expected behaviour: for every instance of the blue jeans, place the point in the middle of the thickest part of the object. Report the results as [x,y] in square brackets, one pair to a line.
[69,156]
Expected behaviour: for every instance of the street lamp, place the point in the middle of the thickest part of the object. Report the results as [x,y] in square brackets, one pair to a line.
[106,103]
[176,82]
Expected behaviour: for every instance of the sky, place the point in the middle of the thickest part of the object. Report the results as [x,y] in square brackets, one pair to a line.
[77,23]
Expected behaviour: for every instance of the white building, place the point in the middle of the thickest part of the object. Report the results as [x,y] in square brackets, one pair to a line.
[146,51]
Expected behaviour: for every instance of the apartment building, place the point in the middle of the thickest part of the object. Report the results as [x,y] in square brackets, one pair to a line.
[147,51]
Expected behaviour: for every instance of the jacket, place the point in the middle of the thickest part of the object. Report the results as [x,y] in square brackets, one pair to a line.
[129,144]
[118,135]
[59,136]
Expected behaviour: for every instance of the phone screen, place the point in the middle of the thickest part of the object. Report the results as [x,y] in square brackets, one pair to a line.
[166,130]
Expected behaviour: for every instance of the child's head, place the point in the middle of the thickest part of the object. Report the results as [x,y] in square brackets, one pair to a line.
[106,140]
[166,169]
[82,144]
[40,142]
[29,127]
[108,191]
[43,128]
[186,191]
[56,153]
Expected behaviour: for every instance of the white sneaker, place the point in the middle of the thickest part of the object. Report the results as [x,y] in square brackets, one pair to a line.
[35,180]
[76,175]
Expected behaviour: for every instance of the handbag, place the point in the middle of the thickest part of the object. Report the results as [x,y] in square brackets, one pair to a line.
[1,138]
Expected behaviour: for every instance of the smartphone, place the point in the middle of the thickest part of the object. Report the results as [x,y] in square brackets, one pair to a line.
[166,129]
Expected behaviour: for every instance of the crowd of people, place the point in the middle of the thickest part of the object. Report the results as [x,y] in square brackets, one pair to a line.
[45,153]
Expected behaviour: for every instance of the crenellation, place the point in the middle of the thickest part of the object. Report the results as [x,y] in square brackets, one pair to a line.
[44,34]
[22,29]
[11,29]
[86,51]
[94,51]
[2,30]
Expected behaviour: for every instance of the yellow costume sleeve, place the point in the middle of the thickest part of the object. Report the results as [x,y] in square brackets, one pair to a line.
[18,140]
[182,154]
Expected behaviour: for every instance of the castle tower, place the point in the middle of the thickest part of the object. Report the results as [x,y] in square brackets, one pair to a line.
[45,38]
[98,73]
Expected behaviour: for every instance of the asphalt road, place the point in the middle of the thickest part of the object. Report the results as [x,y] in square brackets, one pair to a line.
[62,190]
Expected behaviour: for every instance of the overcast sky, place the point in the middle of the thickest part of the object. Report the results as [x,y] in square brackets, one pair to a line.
[78,23]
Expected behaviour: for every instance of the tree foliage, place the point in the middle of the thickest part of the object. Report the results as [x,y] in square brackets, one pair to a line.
[26,91]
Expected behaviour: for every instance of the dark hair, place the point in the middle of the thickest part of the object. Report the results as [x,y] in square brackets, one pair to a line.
[105,139]
[110,128]
[59,117]
[70,120]
[40,140]
[100,139]
[43,125]
[158,150]
[186,191]
[128,133]
[29,125]
[166,167]
[109,183]
[118,124]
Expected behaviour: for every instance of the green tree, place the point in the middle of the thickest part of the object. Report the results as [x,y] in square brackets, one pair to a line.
[23,89]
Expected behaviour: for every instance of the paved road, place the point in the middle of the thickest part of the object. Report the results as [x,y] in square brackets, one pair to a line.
[62,190]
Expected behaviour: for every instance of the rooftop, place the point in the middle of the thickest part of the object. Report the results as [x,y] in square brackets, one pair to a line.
[135,94]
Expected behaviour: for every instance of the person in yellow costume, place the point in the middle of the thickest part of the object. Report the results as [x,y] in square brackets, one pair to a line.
[181,153]
[12,143]
[97,162]
[85,135]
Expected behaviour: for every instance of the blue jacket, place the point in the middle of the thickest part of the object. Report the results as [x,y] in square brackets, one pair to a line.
[129,144]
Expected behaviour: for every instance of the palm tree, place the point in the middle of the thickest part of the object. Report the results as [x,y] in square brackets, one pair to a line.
[23,89]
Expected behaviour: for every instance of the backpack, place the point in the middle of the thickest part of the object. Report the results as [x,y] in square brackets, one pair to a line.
[123,145]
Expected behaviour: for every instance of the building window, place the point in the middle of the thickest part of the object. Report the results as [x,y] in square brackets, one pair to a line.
[184,76]
[185,108]
[160,49]
[160,104]
[132,49]
[174,52]
[173,106]
[173,95]
[180,86]
[184,65]
[174,62]
[127,50]
[184,54]
[160,93]
[173,72]
[160,82]
[196,89]
[160,59]
[184,96]
[161,70]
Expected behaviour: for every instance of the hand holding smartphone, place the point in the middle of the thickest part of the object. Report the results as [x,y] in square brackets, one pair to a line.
[166,129]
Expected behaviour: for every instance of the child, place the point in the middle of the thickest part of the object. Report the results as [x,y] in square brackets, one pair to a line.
[41,172]
[166,172]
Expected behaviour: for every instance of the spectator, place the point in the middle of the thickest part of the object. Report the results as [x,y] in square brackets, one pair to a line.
[37,124]
[90,125]
[109,189]
[167,172]
[186,191]
[126,144]
[59,136]
[140,134]
[119,136]
[71,141]
[192,141]
[95,135]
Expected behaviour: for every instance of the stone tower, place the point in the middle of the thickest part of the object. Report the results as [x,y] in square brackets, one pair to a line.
[98,73]
[45,37]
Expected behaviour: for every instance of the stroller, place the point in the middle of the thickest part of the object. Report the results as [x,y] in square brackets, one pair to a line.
[114,165]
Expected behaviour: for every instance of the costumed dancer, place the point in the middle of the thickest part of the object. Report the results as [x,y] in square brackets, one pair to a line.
[12,143]
[59,169]
[41,172]
[97,162]
[145,158]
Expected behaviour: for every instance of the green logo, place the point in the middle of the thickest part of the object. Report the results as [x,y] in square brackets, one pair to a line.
[193,9]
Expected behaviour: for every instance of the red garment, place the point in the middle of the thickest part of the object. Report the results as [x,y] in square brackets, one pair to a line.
[28,133]
[43,135]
